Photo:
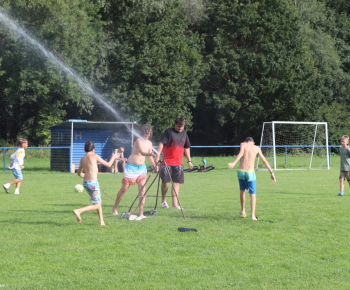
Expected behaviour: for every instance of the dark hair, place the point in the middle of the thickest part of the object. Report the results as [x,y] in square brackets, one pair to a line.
[146,129]
[89,146]
[180,121]
[249,139]
[22,140]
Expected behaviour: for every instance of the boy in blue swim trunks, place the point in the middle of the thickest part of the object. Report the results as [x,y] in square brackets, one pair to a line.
[246,174]
[16,165]
[135,170]
[88,164]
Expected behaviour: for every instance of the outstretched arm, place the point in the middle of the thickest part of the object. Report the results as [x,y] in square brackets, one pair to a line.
[160,149]
[151,157]
[144,148]
[263,159]
[239,156]
[104,162]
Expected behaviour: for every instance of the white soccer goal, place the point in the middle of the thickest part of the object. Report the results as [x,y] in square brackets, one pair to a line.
[294,145]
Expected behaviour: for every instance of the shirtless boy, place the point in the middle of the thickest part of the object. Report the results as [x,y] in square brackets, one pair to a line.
[88,164]
[246,174]
[135,170]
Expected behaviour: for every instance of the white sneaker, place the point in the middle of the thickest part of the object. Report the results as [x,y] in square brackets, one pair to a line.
[16,192]
[165,205]
[6,188]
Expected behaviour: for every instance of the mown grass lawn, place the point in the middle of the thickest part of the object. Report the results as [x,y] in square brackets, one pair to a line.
[301,240]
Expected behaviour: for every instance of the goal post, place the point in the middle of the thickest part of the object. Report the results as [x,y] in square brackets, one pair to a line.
[294,145]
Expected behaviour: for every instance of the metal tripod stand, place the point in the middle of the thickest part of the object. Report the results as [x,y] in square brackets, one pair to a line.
[152,212]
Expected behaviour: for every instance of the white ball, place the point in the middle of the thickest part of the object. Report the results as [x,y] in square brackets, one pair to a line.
[78,188]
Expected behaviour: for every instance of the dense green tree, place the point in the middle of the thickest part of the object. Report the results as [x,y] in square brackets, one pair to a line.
[225,65]
[156,64]
[323,35]
[34,93]
[259,69]
[326,30]
[336,115]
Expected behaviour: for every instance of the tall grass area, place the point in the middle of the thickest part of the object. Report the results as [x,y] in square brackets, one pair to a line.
[301,240]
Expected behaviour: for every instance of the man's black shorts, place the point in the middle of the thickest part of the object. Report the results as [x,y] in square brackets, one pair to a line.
[176,173]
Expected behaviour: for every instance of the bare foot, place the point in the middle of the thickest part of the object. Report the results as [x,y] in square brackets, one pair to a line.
[254,218]
[103,223]
[176,207]
[76,212]
[114,212]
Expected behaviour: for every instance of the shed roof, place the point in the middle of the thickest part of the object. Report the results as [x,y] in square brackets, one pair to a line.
[84,124]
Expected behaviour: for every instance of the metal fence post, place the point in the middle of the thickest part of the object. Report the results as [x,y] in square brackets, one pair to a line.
[285,155]
[4,160]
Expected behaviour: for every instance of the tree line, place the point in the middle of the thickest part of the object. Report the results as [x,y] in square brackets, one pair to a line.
[226,66]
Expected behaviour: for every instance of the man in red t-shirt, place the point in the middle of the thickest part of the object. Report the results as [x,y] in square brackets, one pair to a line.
[174,144]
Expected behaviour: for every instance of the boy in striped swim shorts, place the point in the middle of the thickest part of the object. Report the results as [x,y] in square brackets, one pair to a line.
[246,174]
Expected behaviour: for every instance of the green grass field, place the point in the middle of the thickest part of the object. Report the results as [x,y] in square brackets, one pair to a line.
[301,240]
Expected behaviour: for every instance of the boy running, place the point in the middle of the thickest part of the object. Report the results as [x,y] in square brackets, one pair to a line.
[88,164]
[16,165]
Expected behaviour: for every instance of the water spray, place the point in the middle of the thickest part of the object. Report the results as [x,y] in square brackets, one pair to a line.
[86,87]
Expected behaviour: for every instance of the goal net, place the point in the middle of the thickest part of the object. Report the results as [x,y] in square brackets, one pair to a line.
[294,145]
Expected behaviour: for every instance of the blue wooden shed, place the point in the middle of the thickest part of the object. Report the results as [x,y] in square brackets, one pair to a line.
[107,136]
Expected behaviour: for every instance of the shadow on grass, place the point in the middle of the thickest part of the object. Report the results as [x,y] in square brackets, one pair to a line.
[34,223]
[228,218]
[71,205]
[43,211]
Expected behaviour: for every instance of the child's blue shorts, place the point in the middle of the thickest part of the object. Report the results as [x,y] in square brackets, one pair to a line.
[93,189]
[247,180]
[17,173]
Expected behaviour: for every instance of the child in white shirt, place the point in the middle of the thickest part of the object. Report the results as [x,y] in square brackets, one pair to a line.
[16,165]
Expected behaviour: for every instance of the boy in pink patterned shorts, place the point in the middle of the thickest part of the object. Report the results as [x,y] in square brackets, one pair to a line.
[135,170]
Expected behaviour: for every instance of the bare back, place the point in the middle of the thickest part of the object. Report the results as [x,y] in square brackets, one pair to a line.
[89,165]
[249,152]
[247,155]
[140,148]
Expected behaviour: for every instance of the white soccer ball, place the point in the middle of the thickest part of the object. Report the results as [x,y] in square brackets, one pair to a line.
[78,188]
